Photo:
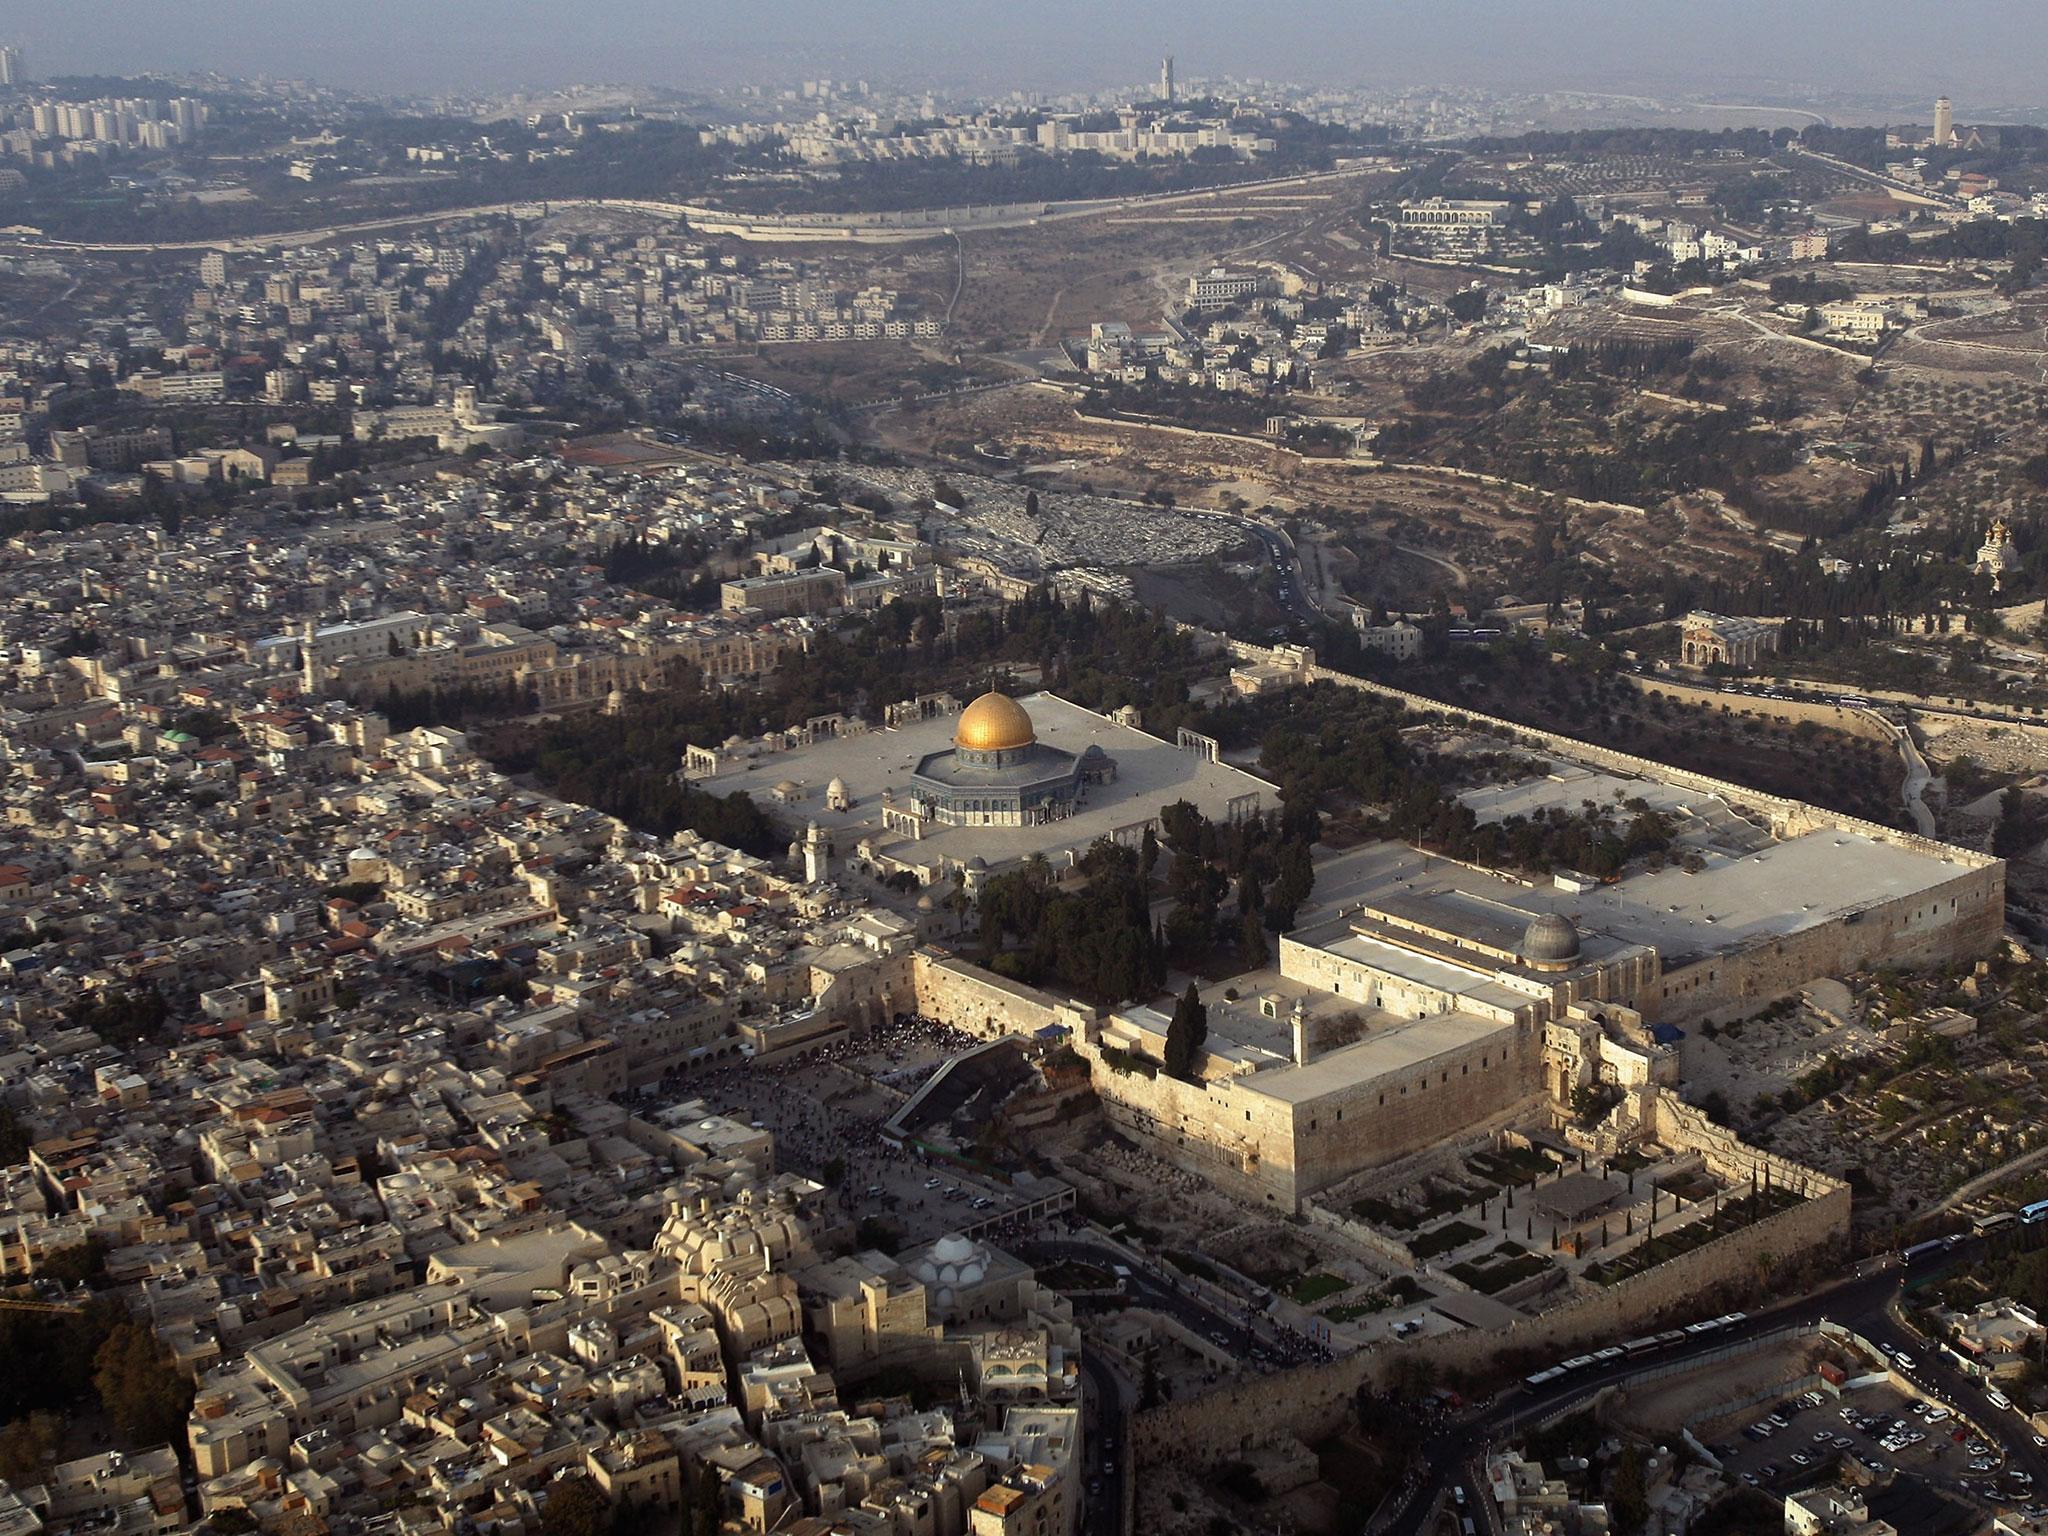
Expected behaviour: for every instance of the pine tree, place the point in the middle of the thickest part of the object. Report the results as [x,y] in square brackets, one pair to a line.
[1184,1036]
[1252,942]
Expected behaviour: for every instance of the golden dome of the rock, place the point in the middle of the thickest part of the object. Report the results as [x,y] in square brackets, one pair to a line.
[993,723]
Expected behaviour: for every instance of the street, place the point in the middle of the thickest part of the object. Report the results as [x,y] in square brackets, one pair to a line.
[1455,1453]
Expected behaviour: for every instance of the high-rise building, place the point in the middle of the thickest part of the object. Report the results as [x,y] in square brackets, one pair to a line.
[1944,123]
[213,270]
[1166,78]
[11,69]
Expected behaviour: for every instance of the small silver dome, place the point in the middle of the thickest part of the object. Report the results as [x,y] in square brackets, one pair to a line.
[1550,939]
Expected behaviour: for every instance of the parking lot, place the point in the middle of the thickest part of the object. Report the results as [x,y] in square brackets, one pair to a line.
[1798,1441]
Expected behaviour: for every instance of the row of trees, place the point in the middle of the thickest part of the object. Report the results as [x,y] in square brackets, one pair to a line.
[1096,940]
[1331,745]
[62,1364]
[1874,594]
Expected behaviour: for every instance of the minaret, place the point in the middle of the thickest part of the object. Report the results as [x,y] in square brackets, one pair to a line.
[817,855]
[1166,79]
[1944,122]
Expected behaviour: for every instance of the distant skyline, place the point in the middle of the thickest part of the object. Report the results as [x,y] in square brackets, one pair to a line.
[1986,50]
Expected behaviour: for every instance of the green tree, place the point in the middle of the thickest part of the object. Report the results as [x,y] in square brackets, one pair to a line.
[14,1140]
[706,1495]
[576,1506]
[1628,1500]
[86,1261]
[1184,1036]
[1254,952]
[142,1393]
[26,1445]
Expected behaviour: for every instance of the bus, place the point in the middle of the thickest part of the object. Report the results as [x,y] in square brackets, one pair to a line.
[1542,1379]
[2035,1213]
[1984,1226]
[1922,1250]
[1643,1345]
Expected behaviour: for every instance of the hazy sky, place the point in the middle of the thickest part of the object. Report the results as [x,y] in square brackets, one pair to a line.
[1973,49]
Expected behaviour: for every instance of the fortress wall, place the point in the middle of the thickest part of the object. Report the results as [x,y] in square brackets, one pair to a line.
[1399,1112]
[1278,1152]
[1960,919]
[1313,1401]
[1242,1142]
[963,995]
[1792,816]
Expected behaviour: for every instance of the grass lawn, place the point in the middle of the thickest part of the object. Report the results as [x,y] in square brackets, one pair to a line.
[1310,1289]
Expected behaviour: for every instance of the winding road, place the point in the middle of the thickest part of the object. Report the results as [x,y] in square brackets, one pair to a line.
[1862,1302]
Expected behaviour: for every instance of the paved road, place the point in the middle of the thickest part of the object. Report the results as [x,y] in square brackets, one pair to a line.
[1452,1453]
[1293,592]
[1918,777]
[1252,1338]
[1106,1449]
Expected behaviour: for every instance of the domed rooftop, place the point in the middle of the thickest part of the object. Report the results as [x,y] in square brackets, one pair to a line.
[952,1262]
[994,723]
[1550,939]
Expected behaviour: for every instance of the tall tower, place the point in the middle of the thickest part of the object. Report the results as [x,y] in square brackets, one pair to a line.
[1944,123]
[1166,78]
[11,70]
[817,855]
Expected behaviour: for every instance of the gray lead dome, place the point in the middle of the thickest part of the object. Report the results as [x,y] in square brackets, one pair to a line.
[1549,939]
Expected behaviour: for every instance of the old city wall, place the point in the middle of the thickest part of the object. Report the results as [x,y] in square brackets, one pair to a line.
[1315,1400]
[1383,1252]
[1850,722]
[1972,932]
[1959,919]
[963,995]
[1685,1128]
[1401,1111]
[1243,1142]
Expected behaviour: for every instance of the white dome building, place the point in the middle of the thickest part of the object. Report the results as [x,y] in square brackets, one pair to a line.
[966,1280]
[952,1264]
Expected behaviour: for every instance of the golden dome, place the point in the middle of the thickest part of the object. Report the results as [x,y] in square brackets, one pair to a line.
[993,723]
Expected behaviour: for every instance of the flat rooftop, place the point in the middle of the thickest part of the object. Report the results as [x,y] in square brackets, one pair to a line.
[1741,896]
[1151,773]
[1470,979]
[1699,820]
[1404,1044]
